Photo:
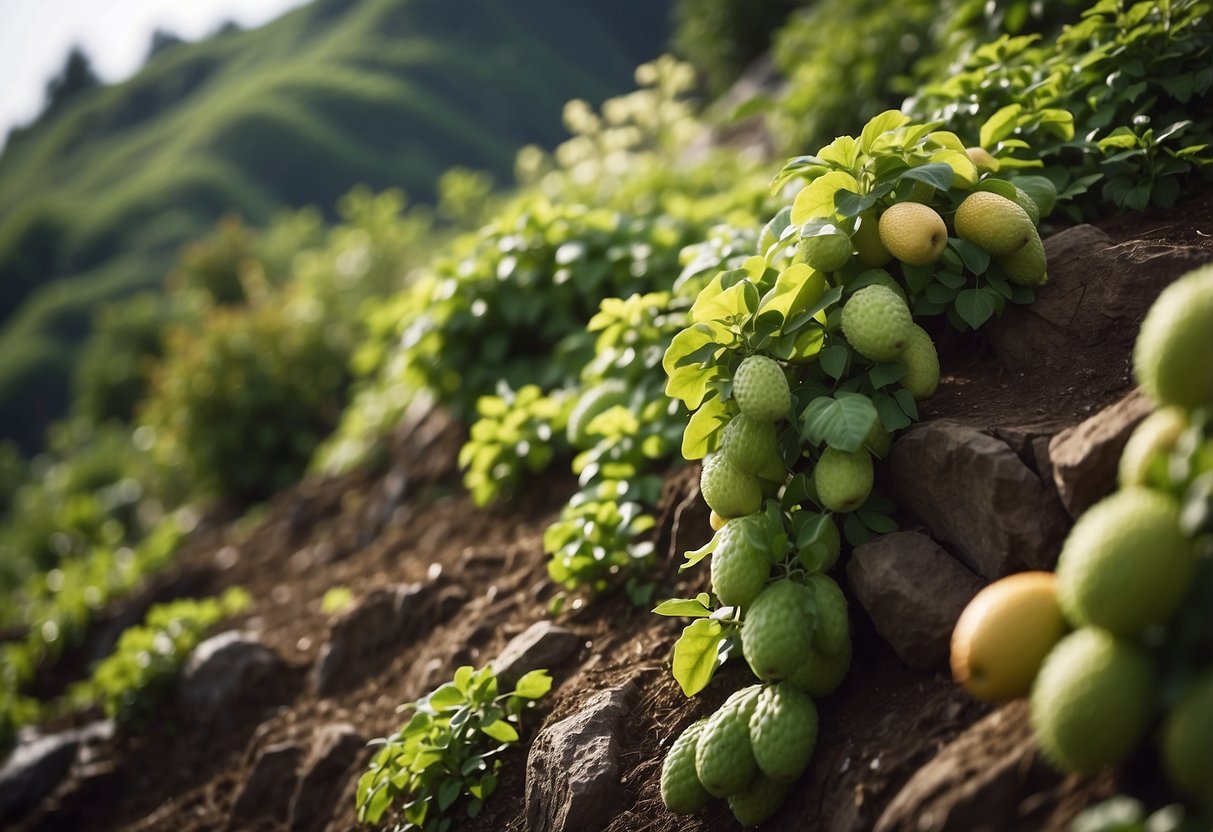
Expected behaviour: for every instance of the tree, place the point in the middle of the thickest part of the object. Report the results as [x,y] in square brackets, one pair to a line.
[76,76]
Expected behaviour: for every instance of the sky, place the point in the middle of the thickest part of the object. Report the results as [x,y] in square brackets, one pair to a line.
[36,36]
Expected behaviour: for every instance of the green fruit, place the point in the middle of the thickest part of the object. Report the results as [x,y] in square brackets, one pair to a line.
[878,441]
[880,277]
[922,365]
[758,802]
[761,389]
[826,252]
[833,631]
[877,323]
[1092,700]
[724,760]
[1126,564]
[1149,446]
[739,568]
[749,443]
[1028,205]
[594,402]
[776,637]
[773,470]
[821,674]
[1040,190]
[844,480]
[1173,356]
[727,491]
[1187,743]
[913,233]
[1028,266]
[867,240]
[783,731]
[680,787]
[994,222]
[822,554]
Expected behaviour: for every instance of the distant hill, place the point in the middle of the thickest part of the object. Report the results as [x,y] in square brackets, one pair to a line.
[97,197]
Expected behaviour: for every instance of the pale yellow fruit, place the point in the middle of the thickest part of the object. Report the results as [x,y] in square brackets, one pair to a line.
[1004,634]
[867,241]
[716,521]
[995,223]
[913,233]
[922,364]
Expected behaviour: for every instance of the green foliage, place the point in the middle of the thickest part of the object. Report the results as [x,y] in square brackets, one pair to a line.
[243,402]
[130,682]
[443,761]
[517,432]
[722,37]
[1134,76]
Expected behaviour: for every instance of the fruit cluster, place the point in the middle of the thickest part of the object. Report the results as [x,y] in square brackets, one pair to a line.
[1133,580]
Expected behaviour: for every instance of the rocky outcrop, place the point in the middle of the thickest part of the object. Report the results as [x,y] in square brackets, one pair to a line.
[1085,457]
[543,645]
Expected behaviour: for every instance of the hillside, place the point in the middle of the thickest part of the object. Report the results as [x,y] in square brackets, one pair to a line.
[96,200]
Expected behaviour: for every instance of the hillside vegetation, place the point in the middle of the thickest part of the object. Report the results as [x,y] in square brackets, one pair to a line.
[97,197]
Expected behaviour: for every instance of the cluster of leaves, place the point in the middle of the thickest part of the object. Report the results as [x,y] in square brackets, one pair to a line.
[1134,76]
[445,758]
[130,682]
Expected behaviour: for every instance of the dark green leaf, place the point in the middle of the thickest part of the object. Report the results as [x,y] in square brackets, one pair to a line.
[937,174]
[834,359]
[974,306]
[842,422]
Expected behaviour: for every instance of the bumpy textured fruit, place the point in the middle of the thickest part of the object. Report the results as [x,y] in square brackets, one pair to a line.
[878,441]
[1173,356]
[1029,206]
[1150,443]
[877,323]
[880,277]
[821,674]
[867,240]
[776,637]
[783,731]
[739,569]
[727,491]
[1004,634]
[913,233]
[761,389]
[773,470]
[758,802]
[994,222]
[724,760]
[1092,700]
[821,555]
[826,252]
[1126,564]
[922,364]
[748,443]
[832,633]
[844,480]
[1028,266]
[680,787]
[593,402]
[1187,743]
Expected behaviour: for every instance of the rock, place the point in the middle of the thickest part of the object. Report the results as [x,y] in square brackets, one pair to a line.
[37,766]
[267,790]
[914,592]
[374,623]
[974,493]
[543,645]
[572,772]
[1085,457]
[981,780]
[334,750]
[227,673]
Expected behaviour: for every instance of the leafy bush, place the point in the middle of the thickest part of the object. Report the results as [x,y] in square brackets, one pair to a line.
[445,756]
[722,37]
[243,402]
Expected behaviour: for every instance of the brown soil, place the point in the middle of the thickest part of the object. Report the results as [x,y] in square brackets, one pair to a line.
[484,574]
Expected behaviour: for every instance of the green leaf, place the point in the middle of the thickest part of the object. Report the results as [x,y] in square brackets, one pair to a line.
[885,374]
[698,438]
[841,422]
[833,360]
[891,416]
[696,654]
[817,198]
[447,697]
[850,204]
[696,607]
[772,232]
[885,122]
[533,685]
[501,731]
[997,186]
[1000,125]
[797,287]
[976,259]
[699,554]
[449,792]
[975,307]
[938,174]
[877,522]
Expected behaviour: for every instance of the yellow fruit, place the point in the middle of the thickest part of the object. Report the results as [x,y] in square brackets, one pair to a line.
[716,521]
[867,241]
[913,233]
[1028,266]
[1004,634]
[994,222]
[1187,744]
[1150,443]
[982,159]
[1173,356]
[1126,564]
[1092,700]
[922,364]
